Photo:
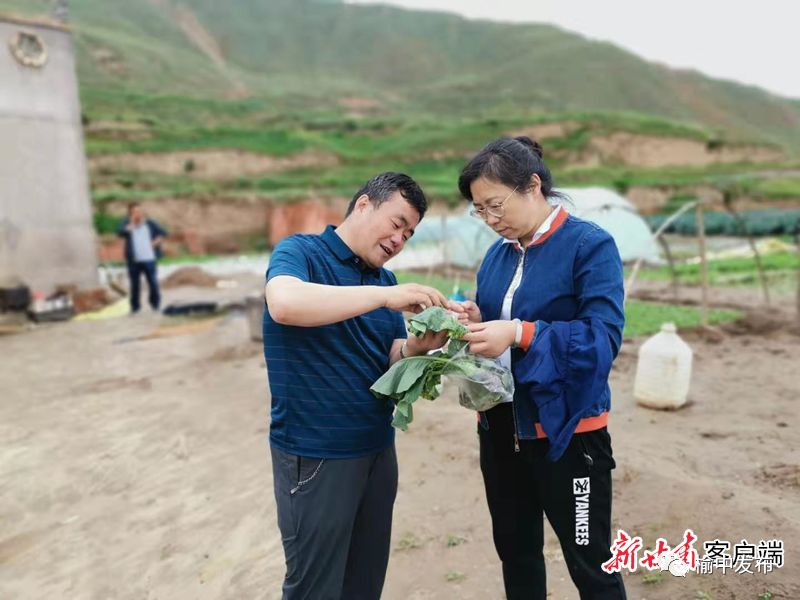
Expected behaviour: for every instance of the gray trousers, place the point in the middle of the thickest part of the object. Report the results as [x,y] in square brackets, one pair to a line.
[335,518]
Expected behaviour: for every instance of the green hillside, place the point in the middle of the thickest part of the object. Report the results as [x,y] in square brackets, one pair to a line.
[362,89]
[266,60]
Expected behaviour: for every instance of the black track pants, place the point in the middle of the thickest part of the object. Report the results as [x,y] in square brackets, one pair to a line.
[573,492]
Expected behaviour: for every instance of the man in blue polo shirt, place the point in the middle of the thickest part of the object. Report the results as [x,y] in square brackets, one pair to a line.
[333,325]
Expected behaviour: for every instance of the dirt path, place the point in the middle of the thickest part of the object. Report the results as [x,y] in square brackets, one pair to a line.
[136,466]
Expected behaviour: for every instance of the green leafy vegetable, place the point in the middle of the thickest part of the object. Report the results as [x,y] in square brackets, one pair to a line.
[436,319]
[482,382]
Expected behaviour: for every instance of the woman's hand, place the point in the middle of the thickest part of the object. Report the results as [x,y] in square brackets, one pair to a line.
[468,313]
[492,338]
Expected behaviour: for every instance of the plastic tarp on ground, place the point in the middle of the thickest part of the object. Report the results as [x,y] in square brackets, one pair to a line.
[462,240]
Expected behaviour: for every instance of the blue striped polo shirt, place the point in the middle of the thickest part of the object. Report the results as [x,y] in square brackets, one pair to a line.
[319,377]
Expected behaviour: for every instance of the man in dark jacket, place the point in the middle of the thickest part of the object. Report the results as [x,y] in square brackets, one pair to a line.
[143,238]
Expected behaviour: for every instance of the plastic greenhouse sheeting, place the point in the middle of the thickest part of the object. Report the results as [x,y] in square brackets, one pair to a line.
[459,240]
[619,217]
[462,240]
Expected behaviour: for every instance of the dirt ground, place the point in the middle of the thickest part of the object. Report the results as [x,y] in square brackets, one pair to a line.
[134,464]
[215,164]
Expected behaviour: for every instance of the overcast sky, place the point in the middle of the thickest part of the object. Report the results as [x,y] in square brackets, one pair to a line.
[754,42]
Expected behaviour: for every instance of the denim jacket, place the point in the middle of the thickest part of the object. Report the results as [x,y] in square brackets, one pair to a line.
[572,290]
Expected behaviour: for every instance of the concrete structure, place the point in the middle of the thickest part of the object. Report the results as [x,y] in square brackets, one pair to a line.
[46,232]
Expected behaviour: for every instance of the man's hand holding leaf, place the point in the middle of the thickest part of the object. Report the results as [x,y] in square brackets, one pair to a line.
[412,297]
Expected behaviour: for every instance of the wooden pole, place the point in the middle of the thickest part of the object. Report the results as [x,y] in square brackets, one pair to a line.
[673,273]
[701,239]
[762,277]
[637,265]
[797,244]
[445,253]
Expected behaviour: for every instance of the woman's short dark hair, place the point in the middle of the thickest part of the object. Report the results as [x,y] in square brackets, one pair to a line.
[380,187]
[510,161]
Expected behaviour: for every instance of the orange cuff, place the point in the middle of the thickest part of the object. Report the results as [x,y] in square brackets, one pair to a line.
[528,333]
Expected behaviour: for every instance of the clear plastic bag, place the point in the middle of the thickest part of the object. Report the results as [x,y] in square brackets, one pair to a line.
[482,382]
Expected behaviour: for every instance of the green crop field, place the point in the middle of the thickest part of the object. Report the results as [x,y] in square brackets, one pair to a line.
[730,271]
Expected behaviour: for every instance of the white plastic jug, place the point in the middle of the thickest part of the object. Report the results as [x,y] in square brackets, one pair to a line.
[663,370]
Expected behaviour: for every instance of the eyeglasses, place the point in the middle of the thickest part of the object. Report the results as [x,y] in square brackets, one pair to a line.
[495,210]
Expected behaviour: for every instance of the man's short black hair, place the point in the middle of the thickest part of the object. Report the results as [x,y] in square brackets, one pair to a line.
[380,187]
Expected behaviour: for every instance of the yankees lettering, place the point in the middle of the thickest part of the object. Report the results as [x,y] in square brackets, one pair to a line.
[580,488]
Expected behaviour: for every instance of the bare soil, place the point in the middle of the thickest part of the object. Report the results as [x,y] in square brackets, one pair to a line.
[655,151]
[134,463]
[212,164]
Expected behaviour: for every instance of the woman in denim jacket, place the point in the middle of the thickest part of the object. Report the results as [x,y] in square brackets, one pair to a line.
[549,305]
